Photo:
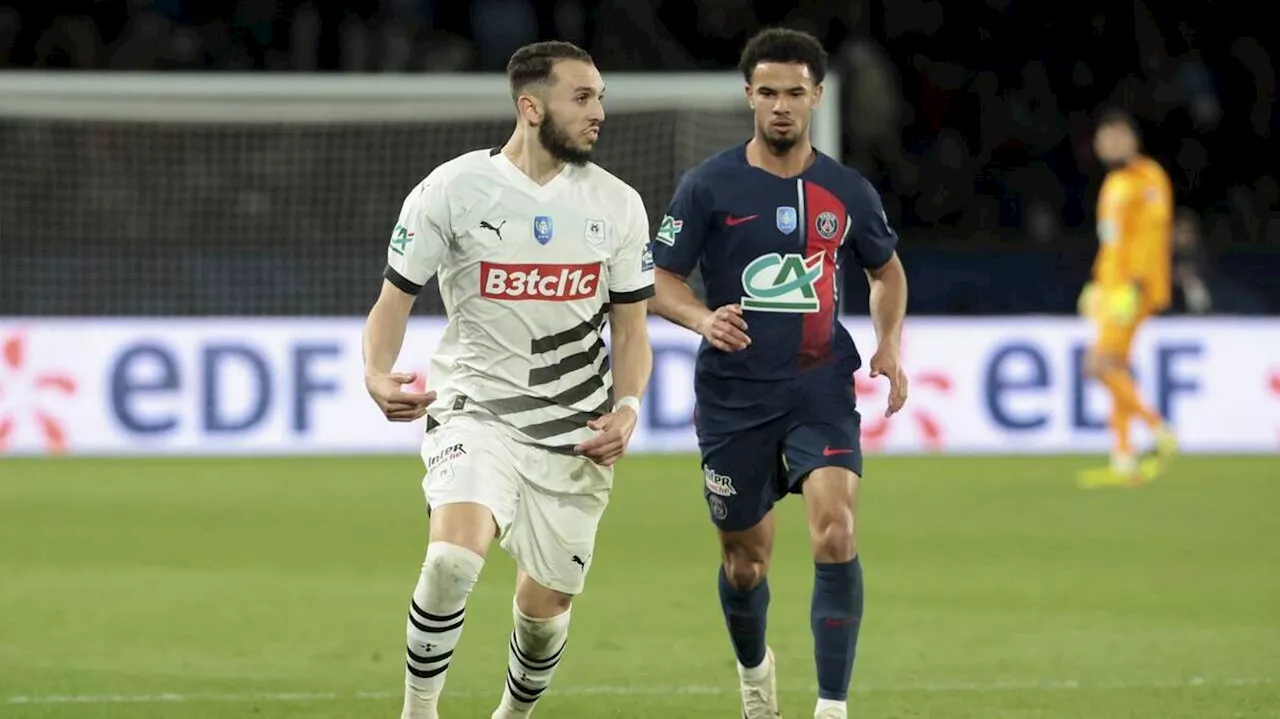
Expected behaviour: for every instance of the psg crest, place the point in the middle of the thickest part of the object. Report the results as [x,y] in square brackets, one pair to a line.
[827,224]
[786,220]
[542,229]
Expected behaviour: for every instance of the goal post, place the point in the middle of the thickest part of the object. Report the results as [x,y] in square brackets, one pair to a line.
[235,194]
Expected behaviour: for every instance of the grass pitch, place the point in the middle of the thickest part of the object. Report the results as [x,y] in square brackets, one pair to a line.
[216,588]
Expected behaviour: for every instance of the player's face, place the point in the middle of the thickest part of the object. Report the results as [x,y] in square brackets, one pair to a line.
[783,96]
[1114,144]
[573,110]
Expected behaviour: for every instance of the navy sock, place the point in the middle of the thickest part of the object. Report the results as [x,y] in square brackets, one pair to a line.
[836,616]
[745,612]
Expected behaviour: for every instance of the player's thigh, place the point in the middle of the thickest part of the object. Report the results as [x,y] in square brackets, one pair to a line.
[553,534]
[1112,344]
[818,440]
[831,508]
[471,483]
[741,477]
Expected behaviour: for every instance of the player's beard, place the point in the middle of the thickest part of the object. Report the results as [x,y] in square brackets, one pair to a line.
[559,144]
[779,144]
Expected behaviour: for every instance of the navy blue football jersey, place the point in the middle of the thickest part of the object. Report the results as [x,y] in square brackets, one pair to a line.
[775,246]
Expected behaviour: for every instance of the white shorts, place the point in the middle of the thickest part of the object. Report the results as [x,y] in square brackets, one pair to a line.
[551,535]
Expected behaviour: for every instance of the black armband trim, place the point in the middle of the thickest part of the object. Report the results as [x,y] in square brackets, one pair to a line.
[406,286]
[626,298]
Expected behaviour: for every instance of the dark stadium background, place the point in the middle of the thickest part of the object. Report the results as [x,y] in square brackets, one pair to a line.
[207,518]
[973,119]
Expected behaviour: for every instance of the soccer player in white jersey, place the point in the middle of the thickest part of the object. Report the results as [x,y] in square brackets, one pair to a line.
[534,248]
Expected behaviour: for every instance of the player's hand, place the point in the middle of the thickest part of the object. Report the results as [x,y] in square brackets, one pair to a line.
[1087,303]
[725,329]
[610,444]
[887,362]
[396,404]
[1123,304]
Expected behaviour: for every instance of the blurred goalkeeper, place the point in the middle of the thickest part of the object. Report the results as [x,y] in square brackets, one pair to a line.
[1131,282]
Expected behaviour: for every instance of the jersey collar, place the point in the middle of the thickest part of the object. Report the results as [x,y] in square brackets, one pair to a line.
[542,193]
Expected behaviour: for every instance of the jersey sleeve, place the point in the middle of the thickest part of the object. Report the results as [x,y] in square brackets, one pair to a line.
[631,267]
[874,241]
[1107,269]
[677,246]
[420,238]
[1152,251]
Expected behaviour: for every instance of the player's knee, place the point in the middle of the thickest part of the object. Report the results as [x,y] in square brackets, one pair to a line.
[833,536]
[539,602]
[1097,363]
[451,571]
[745,567]
[1093,364]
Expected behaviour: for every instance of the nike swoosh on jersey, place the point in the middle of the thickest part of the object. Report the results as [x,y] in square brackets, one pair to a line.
[829,452]
[730,221]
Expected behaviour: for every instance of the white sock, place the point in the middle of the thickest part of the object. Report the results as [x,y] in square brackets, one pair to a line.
[436,615]
[1123,463]
[756,673]
[828,704]
[535,649]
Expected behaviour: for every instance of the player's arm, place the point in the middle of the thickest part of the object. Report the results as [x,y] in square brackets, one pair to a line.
[417,244]
[888,300]
[875,244]
[631,286]
[1152,258]
[677,247]
[631,354]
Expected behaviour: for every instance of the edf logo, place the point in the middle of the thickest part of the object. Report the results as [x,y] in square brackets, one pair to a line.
[1020,389]
[236,386]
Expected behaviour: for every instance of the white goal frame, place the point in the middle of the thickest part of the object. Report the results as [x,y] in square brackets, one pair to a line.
[252,98]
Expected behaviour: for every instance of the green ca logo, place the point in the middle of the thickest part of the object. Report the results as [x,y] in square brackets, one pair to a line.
[782,283]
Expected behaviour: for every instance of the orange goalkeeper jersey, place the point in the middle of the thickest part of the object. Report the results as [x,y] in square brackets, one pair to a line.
[1135,221]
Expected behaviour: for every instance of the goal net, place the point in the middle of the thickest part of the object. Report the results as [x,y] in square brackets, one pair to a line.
[221,194]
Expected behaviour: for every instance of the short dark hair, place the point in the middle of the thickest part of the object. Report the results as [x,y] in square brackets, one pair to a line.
[1115,116]
[779,44]
[534,62]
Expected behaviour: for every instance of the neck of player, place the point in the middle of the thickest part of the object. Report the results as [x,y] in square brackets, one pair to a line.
[530,157]
[789,163]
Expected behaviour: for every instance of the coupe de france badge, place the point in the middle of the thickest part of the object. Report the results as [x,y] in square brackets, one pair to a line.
[542,229]
[786,220]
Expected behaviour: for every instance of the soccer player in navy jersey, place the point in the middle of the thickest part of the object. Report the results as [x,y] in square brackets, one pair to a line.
[769,223]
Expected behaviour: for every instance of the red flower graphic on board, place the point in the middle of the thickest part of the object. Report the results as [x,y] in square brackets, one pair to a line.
[1273,384]
[419,383]
[873,396]
[30,395]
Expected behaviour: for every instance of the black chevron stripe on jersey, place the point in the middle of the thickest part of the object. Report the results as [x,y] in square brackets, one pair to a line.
[573,334]
[564,425]
[576,361]
[524,403]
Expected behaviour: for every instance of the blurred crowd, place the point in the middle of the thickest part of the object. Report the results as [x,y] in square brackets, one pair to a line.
[975,117]
[974,120]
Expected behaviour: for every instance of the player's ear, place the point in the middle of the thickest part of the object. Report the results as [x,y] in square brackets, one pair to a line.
[530,108]
[817,94]
[747,89]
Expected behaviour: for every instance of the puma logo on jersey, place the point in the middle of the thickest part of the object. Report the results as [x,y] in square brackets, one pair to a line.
[495,230]
[548,282]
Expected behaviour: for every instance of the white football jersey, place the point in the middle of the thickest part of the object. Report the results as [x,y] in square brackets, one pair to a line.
[527,274]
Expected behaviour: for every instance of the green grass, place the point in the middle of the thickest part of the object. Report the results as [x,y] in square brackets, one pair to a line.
[995,590]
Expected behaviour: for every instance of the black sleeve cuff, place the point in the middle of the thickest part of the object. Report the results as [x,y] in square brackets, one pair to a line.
[626,298]
[400,282]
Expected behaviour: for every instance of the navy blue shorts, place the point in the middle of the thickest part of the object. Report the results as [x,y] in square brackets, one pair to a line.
[798,427]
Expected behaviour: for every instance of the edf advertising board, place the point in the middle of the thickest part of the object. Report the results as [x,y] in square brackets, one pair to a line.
[295,386]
